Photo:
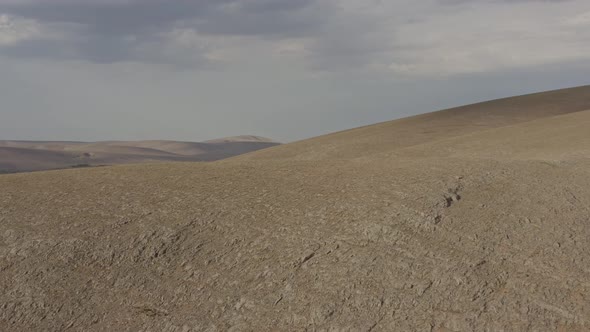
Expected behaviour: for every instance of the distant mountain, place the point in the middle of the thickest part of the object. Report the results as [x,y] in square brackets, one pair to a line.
[25,156]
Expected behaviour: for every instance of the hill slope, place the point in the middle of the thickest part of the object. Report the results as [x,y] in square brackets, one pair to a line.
[20,156]
[432,126]
[484,230]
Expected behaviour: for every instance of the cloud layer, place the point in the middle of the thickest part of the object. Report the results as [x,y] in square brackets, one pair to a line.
[402,37]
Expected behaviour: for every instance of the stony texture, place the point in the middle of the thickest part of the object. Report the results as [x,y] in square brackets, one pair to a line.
[485,230]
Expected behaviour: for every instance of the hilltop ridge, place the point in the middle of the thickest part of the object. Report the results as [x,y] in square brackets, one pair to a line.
[427,127]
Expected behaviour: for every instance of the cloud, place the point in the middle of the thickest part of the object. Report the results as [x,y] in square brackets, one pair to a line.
[397,37]
[442,38]
[112,31]
[493,36]
[14,30]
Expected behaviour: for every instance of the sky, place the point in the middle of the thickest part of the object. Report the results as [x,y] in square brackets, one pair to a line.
[285,69]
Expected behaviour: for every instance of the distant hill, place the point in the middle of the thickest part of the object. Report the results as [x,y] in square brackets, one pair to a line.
[24,156]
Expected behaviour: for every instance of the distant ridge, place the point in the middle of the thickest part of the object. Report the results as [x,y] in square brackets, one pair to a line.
[24,156]
[243,138]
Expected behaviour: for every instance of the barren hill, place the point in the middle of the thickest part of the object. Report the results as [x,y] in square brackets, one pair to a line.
[469,219]
[422,128]
[19,156]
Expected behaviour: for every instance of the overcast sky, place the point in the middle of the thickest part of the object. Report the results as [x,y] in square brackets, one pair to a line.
[285,69]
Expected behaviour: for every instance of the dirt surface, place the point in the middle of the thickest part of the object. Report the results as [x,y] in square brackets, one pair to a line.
[476,230]
[26,156]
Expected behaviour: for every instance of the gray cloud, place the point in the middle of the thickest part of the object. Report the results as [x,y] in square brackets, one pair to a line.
[114,17]
[497,1]
[137,16]
[111,31]
[403,37]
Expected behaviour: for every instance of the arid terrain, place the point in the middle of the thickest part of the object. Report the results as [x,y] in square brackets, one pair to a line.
[475,218]
[26,156]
